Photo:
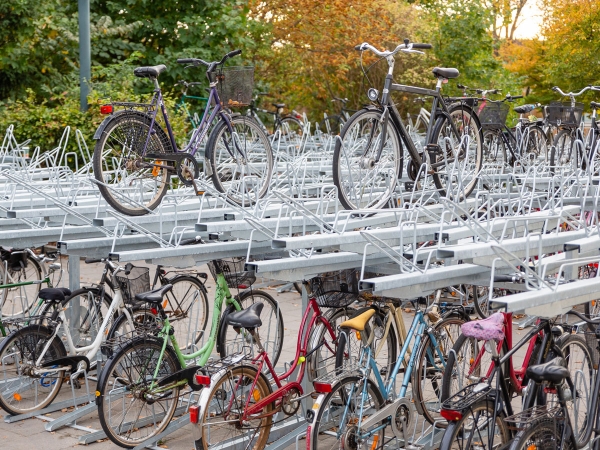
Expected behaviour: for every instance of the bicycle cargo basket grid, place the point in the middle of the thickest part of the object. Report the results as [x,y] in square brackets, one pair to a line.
[494,114]
[234,273]
[335,289]
[235,86]
[559,113]
[136,282]
[531,416]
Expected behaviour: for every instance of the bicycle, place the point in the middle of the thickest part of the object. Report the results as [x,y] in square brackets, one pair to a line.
[182,105]
[355,404]
[476,413]
[291,125]
[134,157]
[151,369]
[238,402]
[551,426]
[368,156]
[334,124]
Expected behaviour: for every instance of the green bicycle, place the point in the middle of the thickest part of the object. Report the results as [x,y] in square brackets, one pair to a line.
[138,390]
[182,105]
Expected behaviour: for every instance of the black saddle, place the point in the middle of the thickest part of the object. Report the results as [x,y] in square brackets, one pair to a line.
[54,294]
[155,296]
[279,105]
[524,109]
[443,72]
[595,105]
[150,71]
[554,371]
[247,318]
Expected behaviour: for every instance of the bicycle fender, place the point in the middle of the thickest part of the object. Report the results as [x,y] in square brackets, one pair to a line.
[105,122]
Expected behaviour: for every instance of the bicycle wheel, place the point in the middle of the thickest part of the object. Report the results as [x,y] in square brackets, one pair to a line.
[580,363]
[130,408]
[241,163]
[481,296]
[362,180]
[291,129]
[563,152]
[86,310]
[18,300]
[271,332]
[473,430]
[221,423]
[543,434]
[21,391]
[331,124]
[141,316]
[132,183]
[536,146]
[334,425]
[187,309]
[427,376]
[494,150]
[457,177]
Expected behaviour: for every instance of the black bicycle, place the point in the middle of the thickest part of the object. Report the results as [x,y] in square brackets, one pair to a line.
[368,156]
[291,125]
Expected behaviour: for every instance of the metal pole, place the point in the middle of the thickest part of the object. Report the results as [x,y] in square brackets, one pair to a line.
[85,55]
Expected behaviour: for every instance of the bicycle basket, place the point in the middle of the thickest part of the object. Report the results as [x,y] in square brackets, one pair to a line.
[335,289]
[563,114]
[234,273]
[235,86]
[530,416]
[494,114]
[136,282]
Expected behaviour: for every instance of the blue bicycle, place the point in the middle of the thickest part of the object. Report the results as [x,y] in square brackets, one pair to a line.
[135,158]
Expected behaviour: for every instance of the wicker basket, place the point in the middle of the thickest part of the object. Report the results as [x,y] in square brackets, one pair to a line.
[563,114]
[335,289]
[235,86]
[233,271]
[493,114]
[136,282]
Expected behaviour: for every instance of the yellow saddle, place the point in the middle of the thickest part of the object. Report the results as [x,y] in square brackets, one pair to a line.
[358,322]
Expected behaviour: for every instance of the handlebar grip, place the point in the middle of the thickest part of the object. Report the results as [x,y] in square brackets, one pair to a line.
[503,279]
[188,241]
[233,53]
[423,46]
[555,88]
[92,260]
[516,96]
[186,60]
[358,47]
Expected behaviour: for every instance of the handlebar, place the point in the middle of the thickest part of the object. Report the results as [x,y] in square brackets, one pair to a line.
[211,65]
[192,241]
[595,321]
[572,94]
[407,47]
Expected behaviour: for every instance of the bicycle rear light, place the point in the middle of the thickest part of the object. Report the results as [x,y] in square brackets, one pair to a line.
[106,109]
[451,415]
[194,413]
[204,380]
[322,388]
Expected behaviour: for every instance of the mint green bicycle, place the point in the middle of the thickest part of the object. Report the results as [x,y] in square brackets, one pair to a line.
[139,388]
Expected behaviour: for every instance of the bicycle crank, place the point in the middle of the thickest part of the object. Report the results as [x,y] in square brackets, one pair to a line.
[400,409]
[403,418]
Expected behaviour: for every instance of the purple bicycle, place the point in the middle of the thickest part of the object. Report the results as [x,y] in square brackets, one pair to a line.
[136,160]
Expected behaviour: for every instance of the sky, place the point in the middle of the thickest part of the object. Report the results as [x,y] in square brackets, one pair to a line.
[531,20]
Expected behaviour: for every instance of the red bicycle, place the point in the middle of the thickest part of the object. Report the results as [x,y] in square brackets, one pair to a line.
[238,403]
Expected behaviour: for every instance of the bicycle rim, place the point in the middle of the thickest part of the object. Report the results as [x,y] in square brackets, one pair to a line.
[474,430]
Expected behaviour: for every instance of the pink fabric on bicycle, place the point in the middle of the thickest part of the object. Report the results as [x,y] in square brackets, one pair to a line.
[486,329]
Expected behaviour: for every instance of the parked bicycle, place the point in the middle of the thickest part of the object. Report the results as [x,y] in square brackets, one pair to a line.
[368,156]
[134,157]
[290,125]
[182,105]
[334,123]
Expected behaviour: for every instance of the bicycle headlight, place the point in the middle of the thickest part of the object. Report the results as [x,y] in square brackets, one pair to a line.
[373,94]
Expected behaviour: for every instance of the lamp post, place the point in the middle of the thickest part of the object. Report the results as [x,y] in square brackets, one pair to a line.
[85,56]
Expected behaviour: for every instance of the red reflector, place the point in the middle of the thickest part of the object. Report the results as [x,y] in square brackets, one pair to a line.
[204,380]
[450,415]
[154,311]
[242,286]
[322,388]
[106,109]
[194,413]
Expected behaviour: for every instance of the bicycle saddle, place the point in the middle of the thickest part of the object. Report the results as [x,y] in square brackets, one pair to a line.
[524,109]
[279,105]
[54,294]
[443,72]
[486,329]
[554,371]
[246,318]
[155,296]
[150,71]
[358,323]
[595,105]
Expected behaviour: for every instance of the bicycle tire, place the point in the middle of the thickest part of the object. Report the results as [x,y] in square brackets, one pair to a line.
[11,304]
[320,434]
[271,332]
[429,404]
[220,401]
[331,124]
[455,432]
[28,343]
[291,128]
[494,150]
[465,119]
[363,183]
[537,146]
[131,129]
[562,153]
[141,316]
[540,435]
[229,173]
[124,368]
